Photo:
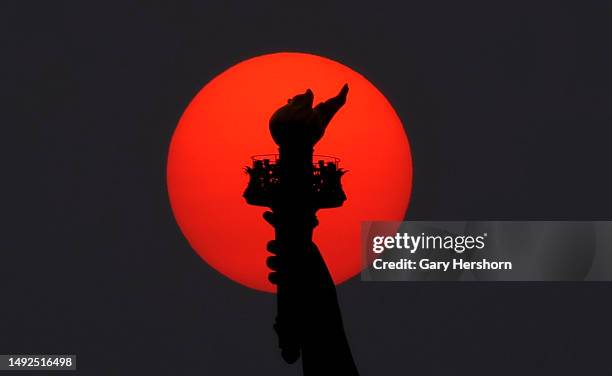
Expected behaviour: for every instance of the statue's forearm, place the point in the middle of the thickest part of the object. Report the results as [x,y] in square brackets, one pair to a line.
[325,346]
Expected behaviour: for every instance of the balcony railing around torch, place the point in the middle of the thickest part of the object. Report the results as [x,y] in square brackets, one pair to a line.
[316,159]
[265,181]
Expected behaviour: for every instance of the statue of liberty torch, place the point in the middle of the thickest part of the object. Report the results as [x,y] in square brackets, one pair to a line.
[295,184]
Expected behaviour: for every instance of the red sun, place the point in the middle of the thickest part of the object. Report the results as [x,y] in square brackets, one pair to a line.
[227,122]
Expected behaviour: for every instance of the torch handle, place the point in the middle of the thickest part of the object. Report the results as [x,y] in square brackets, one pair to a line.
[293,235]
[295,215]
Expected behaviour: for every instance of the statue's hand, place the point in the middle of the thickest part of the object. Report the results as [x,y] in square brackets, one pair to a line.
[315,318]
[297,124]
[302,268]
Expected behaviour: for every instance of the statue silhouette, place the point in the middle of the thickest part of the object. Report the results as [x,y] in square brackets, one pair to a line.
[309,321]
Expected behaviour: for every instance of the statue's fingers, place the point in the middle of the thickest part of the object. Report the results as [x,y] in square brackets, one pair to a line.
[273,247]
[273,262]
[270,217]
[276,278]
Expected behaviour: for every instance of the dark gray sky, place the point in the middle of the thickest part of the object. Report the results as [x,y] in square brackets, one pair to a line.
[507,106]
